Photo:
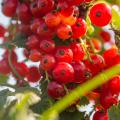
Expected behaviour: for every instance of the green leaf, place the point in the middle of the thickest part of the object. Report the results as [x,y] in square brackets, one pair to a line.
[3,78]
[114,113]
[46,102]
[84,101]
[115,18]
[19,40]
[3,97]
[76,115]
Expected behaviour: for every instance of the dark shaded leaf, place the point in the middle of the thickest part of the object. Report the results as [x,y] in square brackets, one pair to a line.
[19,40]
[3,78]
[114,113]
[76,115]
[84,101]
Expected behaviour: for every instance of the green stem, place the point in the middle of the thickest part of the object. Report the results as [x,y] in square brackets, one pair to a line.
[12,67]
[79,92]
[91,44]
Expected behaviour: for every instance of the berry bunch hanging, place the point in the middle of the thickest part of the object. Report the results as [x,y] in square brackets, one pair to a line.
[56,34]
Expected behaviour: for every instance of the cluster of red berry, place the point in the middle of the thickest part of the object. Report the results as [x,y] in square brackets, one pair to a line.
[55,29]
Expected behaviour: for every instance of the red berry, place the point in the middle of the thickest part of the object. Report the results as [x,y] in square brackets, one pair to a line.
[2,31]
[44,31]
[100,14]
[45,6]
[114,85]
[109,56]
[35,24]
[64,54]
[34,9]
[107,100]
[33,75]
[105,36]
[32,42]
[100,115]
[52,19]
[35,55]
[97,64]
[47,46]
[13,56]
[21,68]
[24,13]
[80,72]
[79,28]
[9,7]
[55,90]
[63,73]
[4,67]
[64,31]
[78,51]
[47,62]
[74,2]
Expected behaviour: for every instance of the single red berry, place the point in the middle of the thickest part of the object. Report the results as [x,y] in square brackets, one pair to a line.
[64,31]
[96,65]
[100,115]
[48,46]
[14,56]
[74,2]
[78,51]
[2,31]
[32,42]
[109,56]
[71,20]
[114,85]
[63,72]
[64,54]
[45,6]
[33,75]
[21,68]
[65,9]
[80,72]
[47,62]
[107,100]
[9,7]
[4,67]
[100,14]
[34,9]
[26,53]
[55,90]
[24,13]
[24,28]
[44,31]
[35,24]
[79,28]
[52,19]
[105,36]
[35,55]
